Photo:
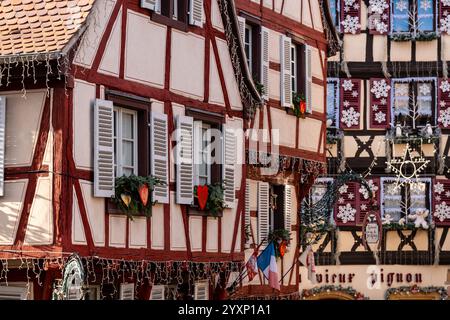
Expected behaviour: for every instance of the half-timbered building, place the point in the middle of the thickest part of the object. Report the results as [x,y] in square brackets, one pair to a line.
[387,119]
[97,90]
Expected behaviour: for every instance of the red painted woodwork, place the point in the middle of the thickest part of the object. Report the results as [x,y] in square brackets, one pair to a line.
[380,107]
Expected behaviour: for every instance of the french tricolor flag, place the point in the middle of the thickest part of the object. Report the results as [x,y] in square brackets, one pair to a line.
[268,265]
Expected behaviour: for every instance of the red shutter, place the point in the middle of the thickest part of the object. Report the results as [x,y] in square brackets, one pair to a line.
[364,204]
[347,199]
[353,11]
[382,18]
[441,202]
[349,98]
[377,107]
[444,103]
[443,9]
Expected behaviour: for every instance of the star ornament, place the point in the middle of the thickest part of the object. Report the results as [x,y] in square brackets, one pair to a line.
[407,168]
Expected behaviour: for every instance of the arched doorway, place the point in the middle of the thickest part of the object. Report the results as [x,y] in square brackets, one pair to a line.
[332,293]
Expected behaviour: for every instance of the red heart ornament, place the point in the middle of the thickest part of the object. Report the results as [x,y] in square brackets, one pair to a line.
[202,194]
[143,194]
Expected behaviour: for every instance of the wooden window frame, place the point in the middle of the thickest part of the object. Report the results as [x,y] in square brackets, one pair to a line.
[255,25]
[410,6]
[118,139]
[300,68]
[167,6]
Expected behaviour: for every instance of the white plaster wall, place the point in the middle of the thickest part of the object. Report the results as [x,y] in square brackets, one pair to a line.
[78,234]
[40,222]
[83,104]
[145,50]
[228,219]
[287,130]
[187,64]
[309,134]
[379,48]
[215,88]
[355,47]
[95,208]
[212,234]
[117,231]
[216,18]
[318,103]
[401,51]
[137,232]
[11,205]
[317,14]
[274,84]
[228,71]
[195,233]
[110,61]
[292,9]
[157,227]
[177,232]
[21,136]
[317,62]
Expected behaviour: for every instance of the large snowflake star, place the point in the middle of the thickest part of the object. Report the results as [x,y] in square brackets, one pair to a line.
[407,168]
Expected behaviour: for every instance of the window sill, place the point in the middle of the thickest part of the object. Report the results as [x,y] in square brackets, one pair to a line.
[159,18]
[408,36]
[112,209]
[196,212]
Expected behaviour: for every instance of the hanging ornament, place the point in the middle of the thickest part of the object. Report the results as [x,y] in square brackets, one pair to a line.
[126,198]
[282,248]
[143,193]
[202,195]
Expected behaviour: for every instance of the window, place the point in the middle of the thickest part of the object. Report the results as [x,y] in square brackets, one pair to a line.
[400,201]
[414,101]
[333,101]
[294,66]
[202,147]
[125,142]
[334,11]
[280,207]
[174,9]
[298,68]
[248,46]
[413,15]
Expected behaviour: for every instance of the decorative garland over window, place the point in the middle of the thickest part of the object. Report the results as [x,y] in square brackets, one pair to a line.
[411,290]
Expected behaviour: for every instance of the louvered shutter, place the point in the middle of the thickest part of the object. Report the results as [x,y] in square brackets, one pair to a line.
[349,105]
[158,293]
[229,144]
[379,18]
[154,5]
[379,114]
[159,155]
[13,293]
[103,149]
[201,291]
[351,10]
[286,80]
[308,78]
[346,211]
[2,142]
[363,206]
[287,208]
[126,291]
[184,160]
[444,12]
[241,22]
[263,212]
[247,219]
[444,103]
[196,12]
[265,62]
[441,202]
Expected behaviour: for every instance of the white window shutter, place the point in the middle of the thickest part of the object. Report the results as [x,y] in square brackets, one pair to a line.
[308,78]
[159,155]
[265,62]
[241,22]
[184,160]
[229,155]
[263,212]
[247,219]
[201,291]
[158,293]
[13,293]
[196,12]
[154,5]
[286,81]
[2,143]
[287,207]
[103,149]
[126,291]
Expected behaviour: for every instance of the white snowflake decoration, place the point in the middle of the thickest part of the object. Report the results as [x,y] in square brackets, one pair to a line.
[354,94]
[401,90]
[347,85]
[438,188]
[349,2]
[438,198]
[445,2]
[380,117]
[442,104]
[346,103]
[384,16]
[383,101]
[445,85]
[346,9]
[346,213]
[444,117]
[401,5]
[381,27]
[424,89]
[372,186]
[378,6]
[447,194]
[351,196]
[442,211]
[425,4]
[380,88]
[375,107]
[350,117]
[363,207]
[445,24]
[341,200]
[351,24]
[343,189]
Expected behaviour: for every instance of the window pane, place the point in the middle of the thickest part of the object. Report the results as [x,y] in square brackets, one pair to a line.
[127,171]
[425,12]
[127,126]
[400,21]
[127,153]
[424,99]
[248,46]
[392,201]
[331,101]
[401,99]
[333,11]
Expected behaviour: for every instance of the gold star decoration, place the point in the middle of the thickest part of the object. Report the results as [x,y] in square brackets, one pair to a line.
[407,168]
